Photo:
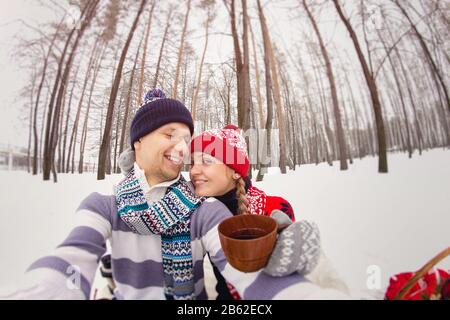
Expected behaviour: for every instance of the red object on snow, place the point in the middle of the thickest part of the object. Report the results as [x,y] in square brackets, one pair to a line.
[430,286]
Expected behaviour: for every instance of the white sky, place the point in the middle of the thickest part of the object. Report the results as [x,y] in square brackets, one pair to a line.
[12,129]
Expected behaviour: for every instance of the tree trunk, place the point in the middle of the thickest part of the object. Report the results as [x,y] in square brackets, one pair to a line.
[257,80]
[408,85]
[62,156]
[49,153]
[371,84]
[199,76]
[329,70]
[242,67]
[246,88]
[144,53]
[86,118]
[161,50]
[431,63]
[44,120]
[30,124]
[38,96]
[66,127]
[128,103]
[269,102]
[400,93]
[180,51]
[73,137]
[112,99]
[328,145]
[47,162]
[116,139]
[276,90]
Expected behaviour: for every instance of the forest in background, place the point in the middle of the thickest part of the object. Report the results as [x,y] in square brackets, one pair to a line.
[386,91]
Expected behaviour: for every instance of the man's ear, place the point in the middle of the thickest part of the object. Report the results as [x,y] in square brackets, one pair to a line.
[137,144]
[236,176]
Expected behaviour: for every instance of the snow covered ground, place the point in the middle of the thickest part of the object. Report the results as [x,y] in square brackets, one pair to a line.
[369,222]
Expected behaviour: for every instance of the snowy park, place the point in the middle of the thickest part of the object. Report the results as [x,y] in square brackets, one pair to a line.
[369,222]
[330,120]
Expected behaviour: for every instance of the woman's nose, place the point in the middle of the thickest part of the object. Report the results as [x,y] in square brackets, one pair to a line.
[195,169]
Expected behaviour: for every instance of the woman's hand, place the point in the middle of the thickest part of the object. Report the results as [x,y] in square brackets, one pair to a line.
[297,248]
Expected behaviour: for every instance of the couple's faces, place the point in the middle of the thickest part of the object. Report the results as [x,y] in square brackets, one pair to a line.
[210,176]
[162,153]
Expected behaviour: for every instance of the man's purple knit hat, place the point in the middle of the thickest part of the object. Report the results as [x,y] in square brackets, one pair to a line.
[156,111]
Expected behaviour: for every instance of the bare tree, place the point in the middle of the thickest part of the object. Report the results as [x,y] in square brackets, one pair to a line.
[180,50]
[88,108]
[73,136]
[275,89]
[241,59]
[51,135]
[207,5]
[62,159]
[128,101]
[257,80]
[372,86]
[400,95]
[112,99]
[163,42]
[38,95]
[144,53]
[47,154]
[334,97]
[438,78]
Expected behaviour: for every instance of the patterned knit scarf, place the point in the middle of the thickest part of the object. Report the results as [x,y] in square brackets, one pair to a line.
[170,218]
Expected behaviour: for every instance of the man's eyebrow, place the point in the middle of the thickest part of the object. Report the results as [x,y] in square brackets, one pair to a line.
[173,129]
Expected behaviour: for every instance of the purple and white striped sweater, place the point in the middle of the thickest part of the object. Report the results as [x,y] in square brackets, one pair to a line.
[137,262]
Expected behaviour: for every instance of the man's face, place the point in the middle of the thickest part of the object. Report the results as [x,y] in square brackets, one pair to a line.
[161,153]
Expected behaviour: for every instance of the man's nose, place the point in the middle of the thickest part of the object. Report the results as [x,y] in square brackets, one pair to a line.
[182,148]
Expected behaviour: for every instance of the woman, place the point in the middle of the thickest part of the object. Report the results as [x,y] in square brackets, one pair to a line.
[219,169]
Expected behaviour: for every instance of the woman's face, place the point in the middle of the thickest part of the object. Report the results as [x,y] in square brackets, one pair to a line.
[210,176]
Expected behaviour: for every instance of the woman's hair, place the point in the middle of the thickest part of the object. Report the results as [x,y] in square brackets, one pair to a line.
[241,196]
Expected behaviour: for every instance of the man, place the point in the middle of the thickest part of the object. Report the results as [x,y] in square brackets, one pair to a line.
[160,257]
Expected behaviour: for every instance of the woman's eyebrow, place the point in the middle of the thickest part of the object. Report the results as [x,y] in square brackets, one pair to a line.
[208,157]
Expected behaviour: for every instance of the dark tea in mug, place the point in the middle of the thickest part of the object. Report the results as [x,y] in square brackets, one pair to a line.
[248,233]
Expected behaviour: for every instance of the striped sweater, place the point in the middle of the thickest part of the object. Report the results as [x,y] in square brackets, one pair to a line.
[68,273]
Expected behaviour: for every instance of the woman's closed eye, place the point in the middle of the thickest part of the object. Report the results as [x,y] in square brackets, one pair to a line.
[207,161]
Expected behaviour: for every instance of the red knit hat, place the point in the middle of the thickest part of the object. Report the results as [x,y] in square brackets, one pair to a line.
[227,145]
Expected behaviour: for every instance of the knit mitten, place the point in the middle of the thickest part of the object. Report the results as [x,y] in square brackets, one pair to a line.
[297,248]
[126,160]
